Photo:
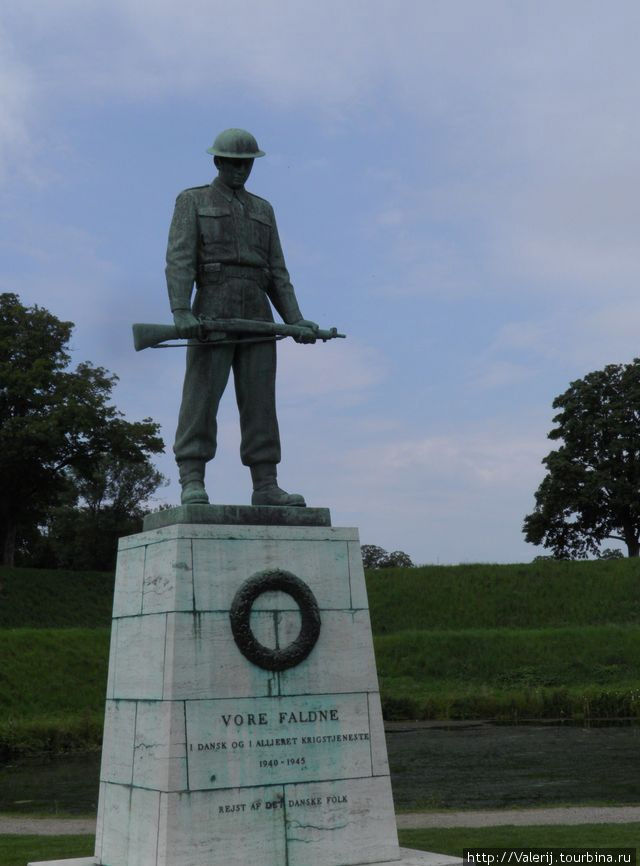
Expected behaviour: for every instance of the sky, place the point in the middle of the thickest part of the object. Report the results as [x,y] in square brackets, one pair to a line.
[456,189]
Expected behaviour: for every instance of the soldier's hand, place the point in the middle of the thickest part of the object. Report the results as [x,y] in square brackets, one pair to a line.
[186,324]
[306,323]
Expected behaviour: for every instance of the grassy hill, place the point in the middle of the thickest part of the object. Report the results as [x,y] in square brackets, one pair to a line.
[549,640]
[546,640]
[38,598]
[534,595]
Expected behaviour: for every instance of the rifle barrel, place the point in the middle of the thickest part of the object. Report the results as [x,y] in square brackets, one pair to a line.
[242,326]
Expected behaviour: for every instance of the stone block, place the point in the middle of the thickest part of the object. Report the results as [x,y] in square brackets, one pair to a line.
[139,657]
[408,857]
[221,566]
[131,816]
[229,828]
[117,751]
[203,662]
[340,823]
[271,741]
[100,817]
[159,753]
[113,646]
[238,533]
[168,577]
[246,515]
[73,861]
[127,598]
[341,661]
[379,760]
[357,583]
[425,858]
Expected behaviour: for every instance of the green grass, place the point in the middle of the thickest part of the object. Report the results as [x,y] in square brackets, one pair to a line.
[52,689]
[55,734]
[580,672]
[535,595]
[57,671]
[514,657]
[38,598]
[455,839]
[18,850]
[542,640]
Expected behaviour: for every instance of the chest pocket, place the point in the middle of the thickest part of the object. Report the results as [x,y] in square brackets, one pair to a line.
[216,226]
[260,230]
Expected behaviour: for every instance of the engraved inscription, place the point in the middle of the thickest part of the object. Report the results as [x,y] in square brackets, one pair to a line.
[292,803]
[262,741]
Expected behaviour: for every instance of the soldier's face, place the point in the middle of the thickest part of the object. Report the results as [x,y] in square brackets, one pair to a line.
[233,172]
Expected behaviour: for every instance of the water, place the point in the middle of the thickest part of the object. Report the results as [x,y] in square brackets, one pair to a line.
[465,766]
[486,766]
[63,784]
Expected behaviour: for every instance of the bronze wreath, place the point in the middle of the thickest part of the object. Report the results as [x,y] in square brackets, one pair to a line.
[240,613]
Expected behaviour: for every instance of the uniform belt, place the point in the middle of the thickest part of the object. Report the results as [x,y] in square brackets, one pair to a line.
[212,273]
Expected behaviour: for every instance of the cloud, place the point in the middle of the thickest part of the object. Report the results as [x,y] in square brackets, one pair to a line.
[425,266]
[459,496]
[580,230]
[519,351]
[573,339]
[61,268]
[497,374]
[139,49]
[525,335]
[491,79]
[18,109]
[343,370]
[607,335]
[435,56]
[466,459]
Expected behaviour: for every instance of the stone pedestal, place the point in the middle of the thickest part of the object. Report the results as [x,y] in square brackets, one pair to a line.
[243,722]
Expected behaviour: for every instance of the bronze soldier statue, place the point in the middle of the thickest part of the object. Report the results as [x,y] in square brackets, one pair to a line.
[224,240]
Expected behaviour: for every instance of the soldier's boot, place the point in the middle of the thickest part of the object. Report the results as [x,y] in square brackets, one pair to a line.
[266,490]
[192,482]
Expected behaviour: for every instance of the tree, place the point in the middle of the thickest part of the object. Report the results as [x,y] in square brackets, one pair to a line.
[119,485]
[611,553]
[592,488]
[56,424]
[377,557]
[82,533]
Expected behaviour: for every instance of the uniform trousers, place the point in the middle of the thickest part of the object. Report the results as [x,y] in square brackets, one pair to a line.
[206,376]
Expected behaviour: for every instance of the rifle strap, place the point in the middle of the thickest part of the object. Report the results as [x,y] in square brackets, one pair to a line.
[206,344]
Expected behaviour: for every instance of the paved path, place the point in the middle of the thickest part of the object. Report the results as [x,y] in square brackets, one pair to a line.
[47,826]
[408,820]
[521,817]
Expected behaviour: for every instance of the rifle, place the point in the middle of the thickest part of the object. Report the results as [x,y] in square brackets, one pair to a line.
[214,332]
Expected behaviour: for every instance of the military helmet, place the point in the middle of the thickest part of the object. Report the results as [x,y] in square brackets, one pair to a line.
[235,144]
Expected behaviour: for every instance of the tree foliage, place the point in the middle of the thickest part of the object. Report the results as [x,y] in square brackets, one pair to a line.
[57,426]
[592,488]
[377,557]
[81,533]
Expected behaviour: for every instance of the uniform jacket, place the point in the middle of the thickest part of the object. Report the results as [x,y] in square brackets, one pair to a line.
[214,226]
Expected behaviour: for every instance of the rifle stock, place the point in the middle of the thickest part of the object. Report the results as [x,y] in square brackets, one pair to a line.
[145,336]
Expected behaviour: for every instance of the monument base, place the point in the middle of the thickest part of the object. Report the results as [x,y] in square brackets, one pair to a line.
[409,857]
[243,721]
